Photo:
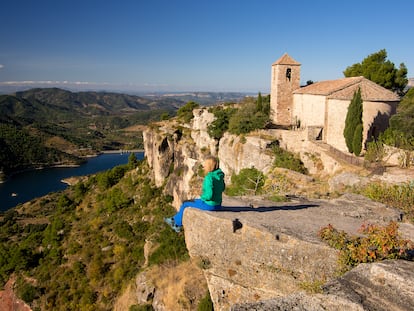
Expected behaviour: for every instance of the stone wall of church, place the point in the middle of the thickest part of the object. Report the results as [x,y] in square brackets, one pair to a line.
[308,110]
[375,119]
[335,123]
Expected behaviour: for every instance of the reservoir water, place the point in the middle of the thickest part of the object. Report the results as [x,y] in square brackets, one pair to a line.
[25,186]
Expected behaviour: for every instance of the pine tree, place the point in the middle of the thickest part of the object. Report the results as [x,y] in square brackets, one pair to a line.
[353,119]
[378,69]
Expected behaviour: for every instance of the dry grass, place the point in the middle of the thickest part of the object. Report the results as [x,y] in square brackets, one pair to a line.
[182,285]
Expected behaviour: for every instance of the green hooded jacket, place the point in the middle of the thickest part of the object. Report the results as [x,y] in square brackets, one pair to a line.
[213,187]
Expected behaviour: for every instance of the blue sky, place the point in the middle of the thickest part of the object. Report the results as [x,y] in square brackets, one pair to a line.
[194,45]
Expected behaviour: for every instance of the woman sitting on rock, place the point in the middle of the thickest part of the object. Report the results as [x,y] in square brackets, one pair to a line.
[211,196]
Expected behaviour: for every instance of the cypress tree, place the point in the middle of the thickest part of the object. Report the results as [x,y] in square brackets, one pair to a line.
[259,103]
[357,141]
[353,119]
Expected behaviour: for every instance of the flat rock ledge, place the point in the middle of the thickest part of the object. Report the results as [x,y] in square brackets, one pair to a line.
[260,255]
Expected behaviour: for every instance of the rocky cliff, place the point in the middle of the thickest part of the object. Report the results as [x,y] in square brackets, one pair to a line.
[261,255]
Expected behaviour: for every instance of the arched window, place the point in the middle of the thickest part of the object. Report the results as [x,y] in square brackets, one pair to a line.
[288,73]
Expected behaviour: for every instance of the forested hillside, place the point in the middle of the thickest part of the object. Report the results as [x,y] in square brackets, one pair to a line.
[78,249]
[43,127]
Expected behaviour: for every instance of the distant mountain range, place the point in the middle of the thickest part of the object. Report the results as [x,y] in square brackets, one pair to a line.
[49,126]
[43,127]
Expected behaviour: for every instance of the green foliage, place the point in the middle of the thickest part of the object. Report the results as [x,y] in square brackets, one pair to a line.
[259,102]
[113,200]
[205,303]
[21,149]
[396,138]
[377,243]
[79,190]
[378,69]
[399,196]
[171,248]
[185,113]
[124,230]
[249,181]
[357,140]
[288,160]
[375,151]
[27,291]
[132,160]
[221,124]
[164,116]
[81,258]
[247,119]
[263,104]
[44,127]
[109,178]
[251,115]
[401,131]
[353,119]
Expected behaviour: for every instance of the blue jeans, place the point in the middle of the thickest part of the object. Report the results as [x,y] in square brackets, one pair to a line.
[197,203]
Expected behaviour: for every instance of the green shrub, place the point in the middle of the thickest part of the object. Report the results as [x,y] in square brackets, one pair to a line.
[248,182]
[171,247]
[111,177]
[220,125]
[397,138]
[27,292]
[288,160]
[185,113]
[246,120]
[375,151]
[399,196]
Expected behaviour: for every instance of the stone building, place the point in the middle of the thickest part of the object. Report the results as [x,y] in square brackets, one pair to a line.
[321,108]
[285,79]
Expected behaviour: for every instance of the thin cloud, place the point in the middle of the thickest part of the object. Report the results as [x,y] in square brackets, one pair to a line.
[48,82]
[1,66]
[8,86]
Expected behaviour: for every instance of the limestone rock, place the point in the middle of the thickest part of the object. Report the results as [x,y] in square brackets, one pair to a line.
[341,181]
[176,151]
[145,290]
[302,302]
[199,133]
[380,286]
[258,253]
[236,153]
[159,150]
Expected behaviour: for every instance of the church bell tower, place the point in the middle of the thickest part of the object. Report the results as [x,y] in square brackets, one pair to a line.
[285,79]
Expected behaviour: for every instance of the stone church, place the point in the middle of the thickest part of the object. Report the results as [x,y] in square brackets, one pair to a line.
[321,108]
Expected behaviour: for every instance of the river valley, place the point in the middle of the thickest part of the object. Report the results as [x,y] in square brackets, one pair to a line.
[25,186]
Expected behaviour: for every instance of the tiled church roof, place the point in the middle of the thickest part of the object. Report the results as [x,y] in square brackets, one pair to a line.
[286,60]
[345,88]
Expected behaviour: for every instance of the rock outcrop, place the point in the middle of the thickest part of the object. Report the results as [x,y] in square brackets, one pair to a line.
[273,250]
[261,255]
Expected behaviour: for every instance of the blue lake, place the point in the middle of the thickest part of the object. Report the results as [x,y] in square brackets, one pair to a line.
[36,183]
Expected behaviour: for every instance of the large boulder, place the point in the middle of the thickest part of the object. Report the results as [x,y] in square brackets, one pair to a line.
[258,250]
